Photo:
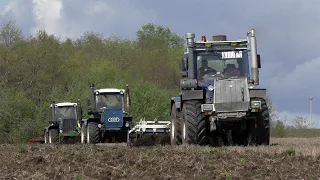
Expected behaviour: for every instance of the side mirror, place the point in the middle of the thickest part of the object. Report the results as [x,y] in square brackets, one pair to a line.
[259,61]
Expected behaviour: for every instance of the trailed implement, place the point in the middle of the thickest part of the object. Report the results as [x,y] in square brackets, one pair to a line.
[148,132]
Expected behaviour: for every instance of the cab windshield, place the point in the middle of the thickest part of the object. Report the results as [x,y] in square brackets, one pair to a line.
[65,112]
[224,63]
[109,101]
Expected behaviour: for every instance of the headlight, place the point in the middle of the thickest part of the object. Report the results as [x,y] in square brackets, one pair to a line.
[210,87]
[207,108]
[256,104]
[251,86]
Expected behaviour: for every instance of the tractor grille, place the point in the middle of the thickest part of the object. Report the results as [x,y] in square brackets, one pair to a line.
[231,95]
[69,125]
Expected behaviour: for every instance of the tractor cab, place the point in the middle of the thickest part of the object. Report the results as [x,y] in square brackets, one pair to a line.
[223,64]
[109,99]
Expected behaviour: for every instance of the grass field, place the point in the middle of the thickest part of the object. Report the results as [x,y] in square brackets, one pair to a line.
[286,158]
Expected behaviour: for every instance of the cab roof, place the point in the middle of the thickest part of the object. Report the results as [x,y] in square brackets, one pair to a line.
[64,104]
[109,90]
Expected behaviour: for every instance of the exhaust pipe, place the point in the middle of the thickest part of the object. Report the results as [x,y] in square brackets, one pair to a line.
[254,57]
[190,45]
[128,100]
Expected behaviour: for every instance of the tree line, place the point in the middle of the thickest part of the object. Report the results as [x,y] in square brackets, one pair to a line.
[37,69]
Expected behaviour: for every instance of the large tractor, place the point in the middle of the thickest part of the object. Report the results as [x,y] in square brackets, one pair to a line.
[64,122]
[110,119]
[220,102]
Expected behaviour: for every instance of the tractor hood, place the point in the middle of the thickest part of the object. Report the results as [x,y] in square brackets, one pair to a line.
[209,80]
[231,94]
[113,118]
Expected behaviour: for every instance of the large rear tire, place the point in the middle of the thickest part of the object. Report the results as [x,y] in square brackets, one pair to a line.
[93,133]
[53,136]
[175,127]
[195,126]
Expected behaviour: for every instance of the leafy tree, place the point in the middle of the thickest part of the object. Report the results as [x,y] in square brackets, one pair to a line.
[300,122]
[38,69]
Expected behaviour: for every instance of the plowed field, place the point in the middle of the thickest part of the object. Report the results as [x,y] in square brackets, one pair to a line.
[286,158]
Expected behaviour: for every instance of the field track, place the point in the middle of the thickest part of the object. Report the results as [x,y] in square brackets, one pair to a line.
[286,158]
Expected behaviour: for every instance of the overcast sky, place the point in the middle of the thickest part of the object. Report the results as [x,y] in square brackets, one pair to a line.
[287,31]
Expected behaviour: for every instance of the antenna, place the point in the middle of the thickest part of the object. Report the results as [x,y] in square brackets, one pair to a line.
[310,99]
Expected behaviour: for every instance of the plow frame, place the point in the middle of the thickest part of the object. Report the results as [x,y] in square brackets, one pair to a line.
[148,127]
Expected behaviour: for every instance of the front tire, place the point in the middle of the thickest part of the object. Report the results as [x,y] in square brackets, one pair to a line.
[263,125]
[53,136]
[195,126]
[175,127]
[259,128]
[93,133]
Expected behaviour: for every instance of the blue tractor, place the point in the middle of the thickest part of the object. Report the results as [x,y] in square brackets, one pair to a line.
[220,102]
[110,119]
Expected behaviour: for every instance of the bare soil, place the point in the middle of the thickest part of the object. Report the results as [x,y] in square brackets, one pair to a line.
[286,158]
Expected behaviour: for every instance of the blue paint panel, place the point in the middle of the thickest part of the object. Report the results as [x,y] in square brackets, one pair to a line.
[209,94]
[206,84]
[113,118]
[177,99]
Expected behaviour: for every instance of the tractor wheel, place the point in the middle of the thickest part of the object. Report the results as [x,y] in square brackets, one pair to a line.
[258,132]
[83,134]
[53,136]
[195,124]
[175,127]
[93,133]
[263,125]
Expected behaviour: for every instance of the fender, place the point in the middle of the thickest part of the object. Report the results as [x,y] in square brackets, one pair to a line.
[259,93]
[85,121]
[46,129]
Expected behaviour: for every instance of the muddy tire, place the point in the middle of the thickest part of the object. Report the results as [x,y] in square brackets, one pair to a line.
[263,125]
[259,129]
[93,133]
[83,134]
[175,127]
[53,136]
[195,126]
